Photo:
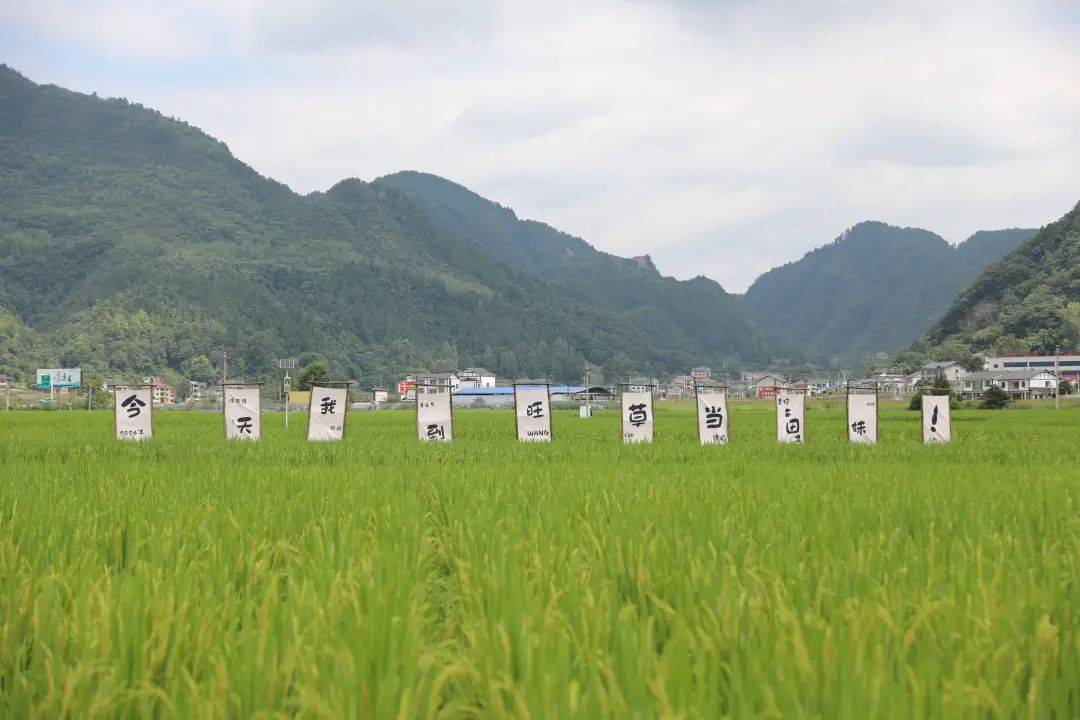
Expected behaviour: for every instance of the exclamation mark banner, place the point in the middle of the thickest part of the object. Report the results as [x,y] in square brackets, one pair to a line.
[937,423]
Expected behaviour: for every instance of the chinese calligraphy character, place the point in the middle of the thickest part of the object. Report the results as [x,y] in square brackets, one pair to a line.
[638,414]
[436,432]
[327,406]
[792,427]
[713,418]
[535,409]
[859,427]
[243,425]
[133,404]
[933,420]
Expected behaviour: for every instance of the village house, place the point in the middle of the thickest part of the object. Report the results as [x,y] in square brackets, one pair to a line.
[1067,364]
[1019,384]
[161,391]
[476,378]
[954,372]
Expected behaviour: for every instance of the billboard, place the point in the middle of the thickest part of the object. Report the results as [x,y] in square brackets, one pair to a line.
[243,416]
[58,378]
[532,407]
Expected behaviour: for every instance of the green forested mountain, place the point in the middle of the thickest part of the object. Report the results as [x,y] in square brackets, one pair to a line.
[1029,301]
[134,243]
[873,289]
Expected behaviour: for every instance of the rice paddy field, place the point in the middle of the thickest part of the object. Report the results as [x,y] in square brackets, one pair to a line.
[382,578]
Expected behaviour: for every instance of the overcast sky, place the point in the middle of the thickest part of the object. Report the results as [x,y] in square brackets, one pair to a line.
[722,138]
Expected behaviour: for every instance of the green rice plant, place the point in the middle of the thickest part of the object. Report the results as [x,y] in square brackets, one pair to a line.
[380,577]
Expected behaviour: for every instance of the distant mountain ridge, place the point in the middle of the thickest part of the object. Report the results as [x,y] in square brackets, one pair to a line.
[134,243]
[874,289]
[1026,302]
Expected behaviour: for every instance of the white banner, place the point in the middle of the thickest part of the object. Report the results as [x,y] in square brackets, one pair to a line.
[637,417]
[862,417]
[134,412]
[434,414]
[712,417]
[533,411]
[790,416]
[326,413]
[243,412]
[936,419]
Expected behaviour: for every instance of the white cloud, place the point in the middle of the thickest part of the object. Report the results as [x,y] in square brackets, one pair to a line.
[720,138]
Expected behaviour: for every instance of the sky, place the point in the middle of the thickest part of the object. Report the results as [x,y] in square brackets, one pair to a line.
[721,138]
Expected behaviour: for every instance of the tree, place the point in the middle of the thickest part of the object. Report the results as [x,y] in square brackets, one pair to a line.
[198,368]
[1066,388]
[994,398]
[313,374]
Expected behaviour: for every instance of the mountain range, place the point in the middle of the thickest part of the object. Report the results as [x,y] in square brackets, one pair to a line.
[133,243]
[873,289]
[1027,302]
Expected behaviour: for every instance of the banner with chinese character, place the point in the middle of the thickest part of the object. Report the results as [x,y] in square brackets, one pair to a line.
[243,412]
[134,412]
[712,417]
[434,413]
[936,419]
[637,417]
[790,415]
[862,416]
[533,408]
[326,413]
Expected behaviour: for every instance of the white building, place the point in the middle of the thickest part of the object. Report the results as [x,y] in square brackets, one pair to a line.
[476,378]
[640,384]
[701,373]
[442,378]
[1020,384]
[954,372]
[1068,365]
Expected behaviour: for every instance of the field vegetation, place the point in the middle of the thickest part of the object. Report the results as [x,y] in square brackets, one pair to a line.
[378,577]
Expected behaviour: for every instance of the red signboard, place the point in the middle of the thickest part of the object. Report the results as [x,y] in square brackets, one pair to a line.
[767,392]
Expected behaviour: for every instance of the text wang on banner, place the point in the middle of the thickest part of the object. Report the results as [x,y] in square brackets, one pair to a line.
[936,419]
[791,414]
[327,409]
[133,410]
[862,413]
[434,410]
[637,411]
[712,414]
[532,410]
[242,410]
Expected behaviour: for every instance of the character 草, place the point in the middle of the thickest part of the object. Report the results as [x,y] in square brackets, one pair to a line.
[638,416]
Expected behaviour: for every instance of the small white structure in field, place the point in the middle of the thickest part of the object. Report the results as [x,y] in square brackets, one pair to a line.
[862,413]
[133,412]
[434,411]
[712,414]
[242,411]
[791,415]
[936,419]
[326,411]
[532,410]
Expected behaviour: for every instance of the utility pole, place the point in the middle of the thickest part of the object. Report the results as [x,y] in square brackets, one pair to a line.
[1057,378]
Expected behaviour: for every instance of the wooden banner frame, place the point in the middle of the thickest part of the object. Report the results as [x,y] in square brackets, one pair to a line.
[551,414]
[239,384]
[449,391]
[713,387]
[857,389]
[653,385]
[133,386]
[805,392]
[330,384]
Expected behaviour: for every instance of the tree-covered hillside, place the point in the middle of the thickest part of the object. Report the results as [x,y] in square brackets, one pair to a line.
[874,289]
[1027,302]
[134,243]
